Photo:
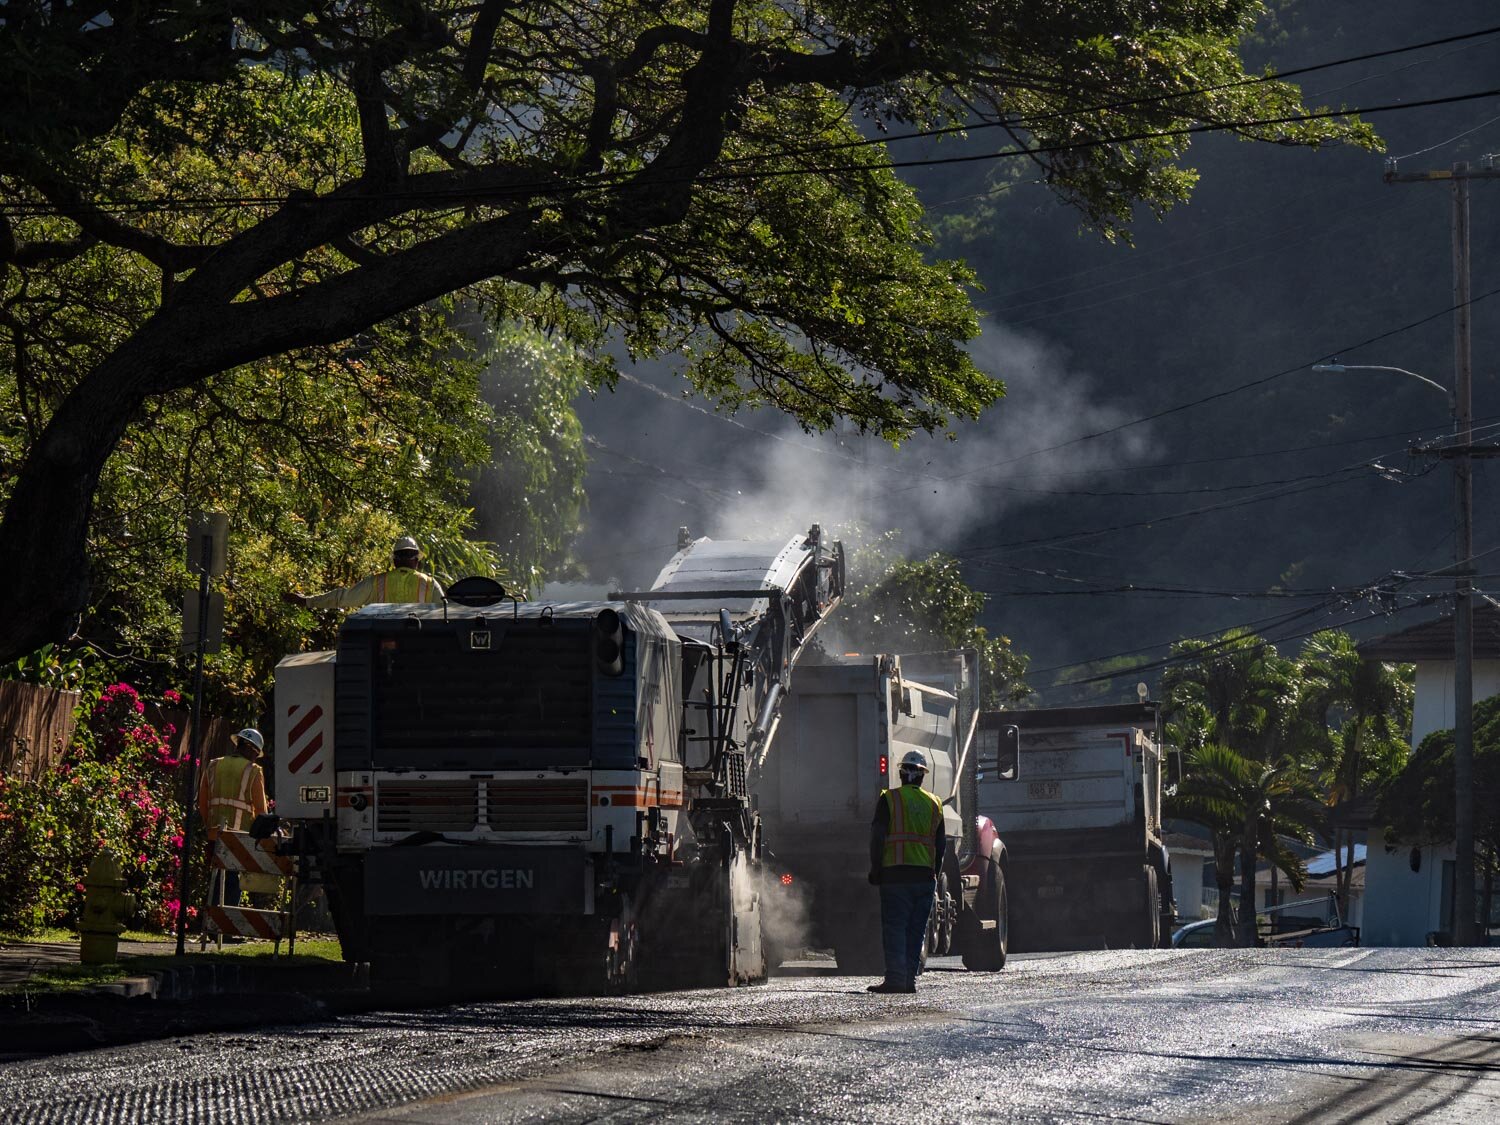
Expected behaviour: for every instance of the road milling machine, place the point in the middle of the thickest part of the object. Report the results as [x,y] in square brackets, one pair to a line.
[531,796]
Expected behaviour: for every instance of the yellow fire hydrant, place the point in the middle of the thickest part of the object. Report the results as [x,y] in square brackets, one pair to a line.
[105,908]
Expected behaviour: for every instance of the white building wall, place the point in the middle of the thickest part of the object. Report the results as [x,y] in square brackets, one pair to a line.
[1187,884]
[1432,709]
[1403,906]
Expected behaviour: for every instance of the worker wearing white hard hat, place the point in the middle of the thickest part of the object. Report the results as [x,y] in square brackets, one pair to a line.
[907,842]
[232,793]
[402,583]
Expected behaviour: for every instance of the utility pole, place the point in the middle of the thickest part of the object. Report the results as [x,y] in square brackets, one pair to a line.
[1464,929]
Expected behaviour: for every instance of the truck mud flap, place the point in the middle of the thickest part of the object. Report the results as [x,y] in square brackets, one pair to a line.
[437,880]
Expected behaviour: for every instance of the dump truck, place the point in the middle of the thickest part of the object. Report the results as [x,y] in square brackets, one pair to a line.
[847,723]
[551,796]
[1076,792]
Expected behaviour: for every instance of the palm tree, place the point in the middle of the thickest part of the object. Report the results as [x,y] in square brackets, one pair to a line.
[1369,704]
[1188,730]
[1252,806]
[1251,696]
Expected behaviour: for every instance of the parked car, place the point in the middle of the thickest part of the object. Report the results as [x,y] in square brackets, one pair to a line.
[1280,927]
[1195,935]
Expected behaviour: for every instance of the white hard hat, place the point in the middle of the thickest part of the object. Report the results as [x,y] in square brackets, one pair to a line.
[404,544]
[253,737]
[914,760]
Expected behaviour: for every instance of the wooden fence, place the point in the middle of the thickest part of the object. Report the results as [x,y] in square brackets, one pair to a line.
[217,732]
[35,726]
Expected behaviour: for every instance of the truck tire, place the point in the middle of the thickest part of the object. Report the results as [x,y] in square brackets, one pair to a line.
[940,920]
[1150,932]
[986,947]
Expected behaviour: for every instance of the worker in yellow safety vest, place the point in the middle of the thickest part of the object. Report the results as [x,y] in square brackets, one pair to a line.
[402,583]
[907,841]
[231,794]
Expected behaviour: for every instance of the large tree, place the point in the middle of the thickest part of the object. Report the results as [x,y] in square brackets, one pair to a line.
[684,177]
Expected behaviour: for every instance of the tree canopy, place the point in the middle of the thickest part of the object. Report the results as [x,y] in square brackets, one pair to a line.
[188,189]
[1416,805]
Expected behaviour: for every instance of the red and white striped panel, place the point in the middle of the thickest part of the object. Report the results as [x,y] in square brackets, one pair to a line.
[305,740]
[237,851]
[243,921]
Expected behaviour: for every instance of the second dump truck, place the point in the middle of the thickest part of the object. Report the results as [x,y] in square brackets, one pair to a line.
[1076,792]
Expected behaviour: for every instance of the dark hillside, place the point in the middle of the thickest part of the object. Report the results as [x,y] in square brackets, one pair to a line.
[1283,257]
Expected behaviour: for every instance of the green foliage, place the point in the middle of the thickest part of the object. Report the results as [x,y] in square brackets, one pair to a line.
[1363,709]
[191,193]
[902,605]
[1261,758]
[320,457]
[1417,805]
[49,666]
[115,790]
[529,495]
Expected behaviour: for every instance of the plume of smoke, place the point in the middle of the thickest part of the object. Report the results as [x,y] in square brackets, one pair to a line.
[660,462]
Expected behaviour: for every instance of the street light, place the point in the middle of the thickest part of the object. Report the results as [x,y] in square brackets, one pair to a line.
[1337,368]
[1463,642]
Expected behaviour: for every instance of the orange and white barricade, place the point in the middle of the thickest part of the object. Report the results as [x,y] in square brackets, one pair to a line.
[258,865]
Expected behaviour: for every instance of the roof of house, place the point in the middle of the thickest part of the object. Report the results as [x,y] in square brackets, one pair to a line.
[1433,640]
[1183,842]
[1324,864]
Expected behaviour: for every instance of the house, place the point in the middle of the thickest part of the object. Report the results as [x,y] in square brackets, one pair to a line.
[1409,888]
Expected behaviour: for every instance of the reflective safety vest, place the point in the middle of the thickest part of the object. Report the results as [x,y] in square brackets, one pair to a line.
[403,585]
[914,816]
[228,784]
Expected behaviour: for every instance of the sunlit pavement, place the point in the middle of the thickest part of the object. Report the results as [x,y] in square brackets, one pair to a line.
[1286,1035]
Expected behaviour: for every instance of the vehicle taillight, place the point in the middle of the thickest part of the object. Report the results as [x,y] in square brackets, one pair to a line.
[786,879]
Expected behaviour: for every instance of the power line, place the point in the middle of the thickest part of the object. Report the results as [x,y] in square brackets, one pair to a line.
[605,180]
[1228,391]
[1275,494]
[1195,657]
[1253,455]
[1320,230]
[1133,103]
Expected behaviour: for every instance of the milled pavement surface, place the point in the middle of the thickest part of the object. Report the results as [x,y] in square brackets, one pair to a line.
[1336,1035]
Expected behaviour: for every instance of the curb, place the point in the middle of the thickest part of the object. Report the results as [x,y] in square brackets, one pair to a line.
[117,1011]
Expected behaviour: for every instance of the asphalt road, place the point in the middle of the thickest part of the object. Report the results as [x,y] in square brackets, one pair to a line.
[1287,1035]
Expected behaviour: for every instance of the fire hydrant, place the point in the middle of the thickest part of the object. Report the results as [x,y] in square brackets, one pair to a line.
[105,908]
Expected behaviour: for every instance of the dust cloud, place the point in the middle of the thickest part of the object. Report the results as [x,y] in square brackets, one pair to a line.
[660,461]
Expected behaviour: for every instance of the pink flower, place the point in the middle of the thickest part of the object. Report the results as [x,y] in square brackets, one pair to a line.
[176,841]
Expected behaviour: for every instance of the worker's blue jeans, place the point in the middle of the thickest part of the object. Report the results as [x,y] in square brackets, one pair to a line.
[904,908]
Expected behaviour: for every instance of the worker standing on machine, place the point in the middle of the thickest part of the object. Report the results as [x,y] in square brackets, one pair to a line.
[402,583]
[907,841]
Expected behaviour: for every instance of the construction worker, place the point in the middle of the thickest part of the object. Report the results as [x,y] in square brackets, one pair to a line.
[231,794]
[402,583]
[906,852]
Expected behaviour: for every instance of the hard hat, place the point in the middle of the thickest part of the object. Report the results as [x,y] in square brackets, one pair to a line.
[914,760]
[251,737]
[404,544]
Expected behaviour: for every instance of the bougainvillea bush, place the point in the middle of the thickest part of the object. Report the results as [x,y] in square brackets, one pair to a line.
[117,788]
